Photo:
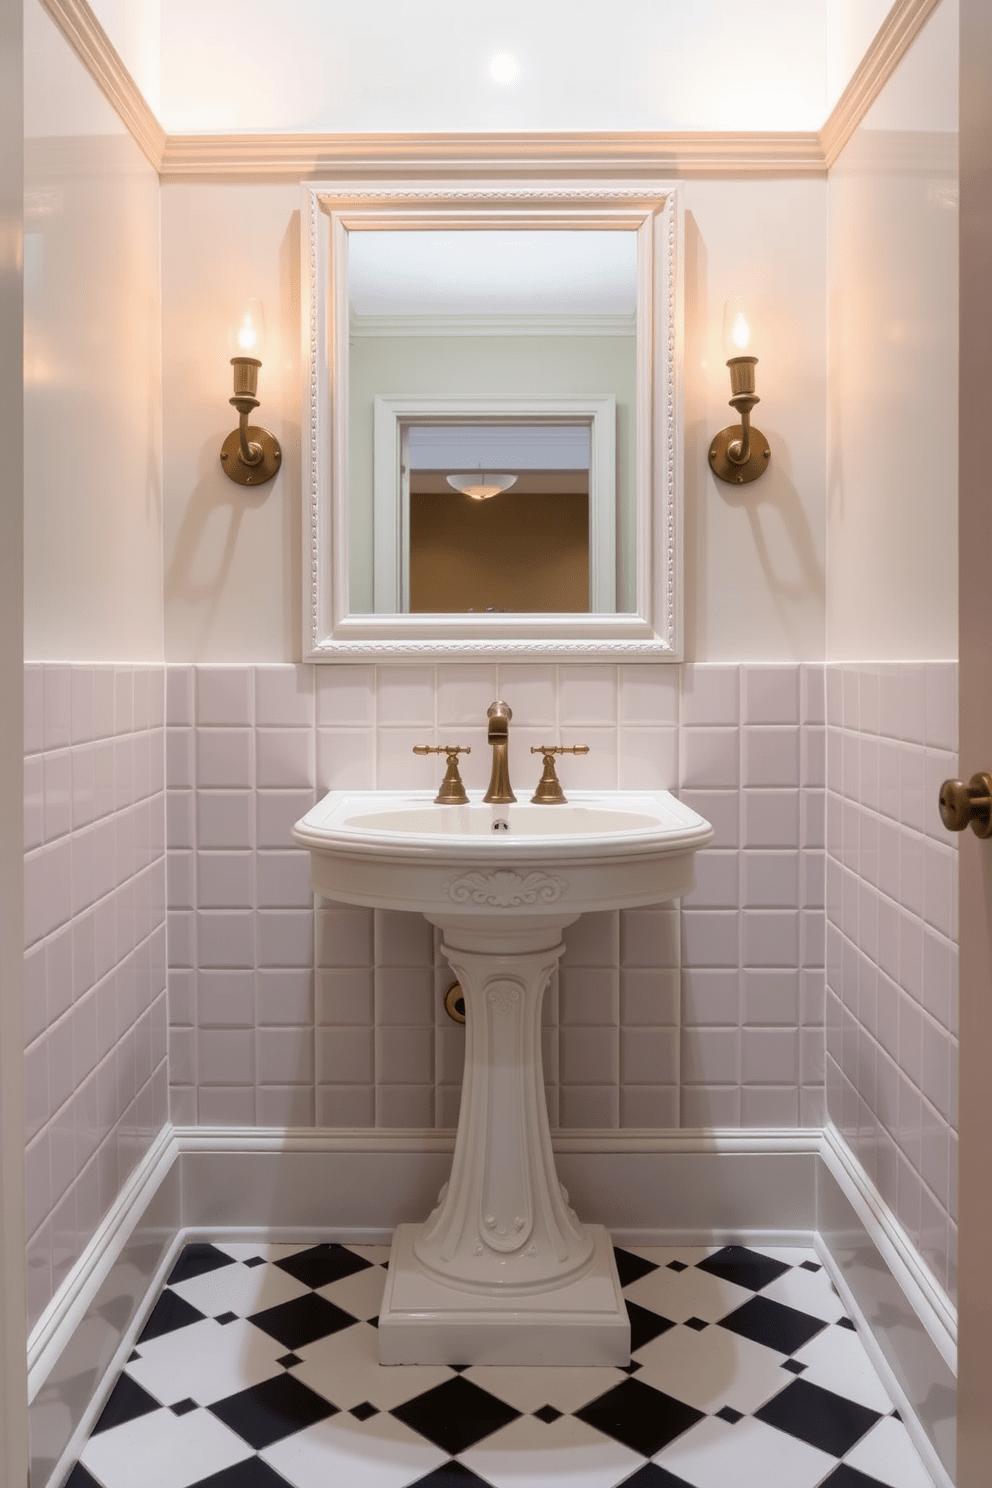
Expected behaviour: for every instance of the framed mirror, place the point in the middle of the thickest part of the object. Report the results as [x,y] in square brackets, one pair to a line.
[492,454]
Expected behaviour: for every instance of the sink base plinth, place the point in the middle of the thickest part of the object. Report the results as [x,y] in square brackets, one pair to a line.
[423,1321]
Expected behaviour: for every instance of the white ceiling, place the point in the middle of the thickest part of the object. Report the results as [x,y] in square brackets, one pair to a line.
[391,66]
[486,274]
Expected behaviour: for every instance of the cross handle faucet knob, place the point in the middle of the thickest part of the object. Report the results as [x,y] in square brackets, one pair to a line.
[452,791]
[549,791]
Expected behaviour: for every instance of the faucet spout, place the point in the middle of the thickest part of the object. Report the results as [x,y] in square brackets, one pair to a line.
[499,716]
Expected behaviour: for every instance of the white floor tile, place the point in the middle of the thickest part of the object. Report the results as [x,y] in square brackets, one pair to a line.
[360,1294]
[712,1369]
[808,1291]
[206,1361]
[888,1454]
[378,1453]
[529,1389]
[530,1454]
[246,1250]
[345,1369]
[240,1289]
[837,1361]
[684,1294]
[714,1454]
[161,1450]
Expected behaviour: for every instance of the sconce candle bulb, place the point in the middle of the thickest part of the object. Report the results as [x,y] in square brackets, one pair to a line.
[739,453]
[250,455]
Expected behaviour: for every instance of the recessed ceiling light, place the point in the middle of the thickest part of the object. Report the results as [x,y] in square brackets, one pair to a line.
[504,68]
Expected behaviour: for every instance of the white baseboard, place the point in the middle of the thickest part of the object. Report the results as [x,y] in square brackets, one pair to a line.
[770,1187]
[75,1296]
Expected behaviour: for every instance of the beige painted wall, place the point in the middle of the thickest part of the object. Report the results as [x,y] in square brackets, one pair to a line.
[754,560]
[892,467]
[92,401]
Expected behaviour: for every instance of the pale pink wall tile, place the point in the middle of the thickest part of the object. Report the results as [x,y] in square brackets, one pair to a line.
[34,709]
[346,1105]
[345,695]
[282,880]
[226,1105]
[532,692]
[224,696]
[57,693]
[405,1105]
[224,758]
[586,695]
[593,1106]
[710,694]
[284,696]
[284,758]
[649,694]
[346,759]
[710,758]
[345,1056]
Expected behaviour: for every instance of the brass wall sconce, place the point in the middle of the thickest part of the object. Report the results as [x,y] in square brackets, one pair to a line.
[250,455]
[739,453]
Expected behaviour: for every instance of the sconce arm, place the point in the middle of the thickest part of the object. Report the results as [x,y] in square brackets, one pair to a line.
[739,450]
[249,452]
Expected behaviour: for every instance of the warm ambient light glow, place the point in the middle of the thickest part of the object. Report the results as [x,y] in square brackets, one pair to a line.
[738,330]
[504,68]
[480,485]
[247,338]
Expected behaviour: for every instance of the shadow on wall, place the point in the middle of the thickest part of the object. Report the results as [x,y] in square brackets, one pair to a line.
[775,495]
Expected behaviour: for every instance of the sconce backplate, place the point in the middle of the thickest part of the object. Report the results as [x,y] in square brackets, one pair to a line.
[738,475]
[251,475]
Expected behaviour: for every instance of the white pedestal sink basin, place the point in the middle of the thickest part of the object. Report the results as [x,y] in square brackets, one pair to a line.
[503,1271]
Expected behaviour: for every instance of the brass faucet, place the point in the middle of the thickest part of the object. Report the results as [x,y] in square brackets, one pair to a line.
[499,716]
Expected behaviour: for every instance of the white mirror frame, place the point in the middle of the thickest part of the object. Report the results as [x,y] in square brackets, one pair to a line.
[330,631]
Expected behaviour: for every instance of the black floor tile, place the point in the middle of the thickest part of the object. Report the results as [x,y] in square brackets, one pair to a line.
[847,1477]
[80,1478]
[794,1367]
[322,1264]
[773,1324]
[818,1416]
[276,1408]
[547,1414]
[645,1325]
[451,1475]
[302,1320]
[653,1476]
[183,1407]
[810,1266]
[195,1260]
[289,1360]
[745,1268]
[127,1402]
[641,1418]
[364,1411]
[226,1317]
[252,1473]
[698,1325]
[632,1267]
[255,1261]
[728,1414]
[455,1415]
[677,1266]
[169,1313]
[846,1323]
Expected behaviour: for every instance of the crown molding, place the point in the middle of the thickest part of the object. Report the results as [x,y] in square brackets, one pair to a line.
[98,55]
[672,154]
[889,45]
[292,157]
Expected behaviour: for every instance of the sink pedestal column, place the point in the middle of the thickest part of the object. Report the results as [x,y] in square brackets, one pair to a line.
[503,1271]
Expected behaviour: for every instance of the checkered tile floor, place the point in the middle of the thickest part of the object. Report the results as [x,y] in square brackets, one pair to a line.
[257,1369]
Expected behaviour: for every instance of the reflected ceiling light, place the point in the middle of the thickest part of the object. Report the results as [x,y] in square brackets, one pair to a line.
[504,68]
[250,455]
[739,453]
[480,485]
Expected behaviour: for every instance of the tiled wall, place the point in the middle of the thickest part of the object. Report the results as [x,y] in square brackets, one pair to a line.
[95,965]
[891,941]
[659,1018]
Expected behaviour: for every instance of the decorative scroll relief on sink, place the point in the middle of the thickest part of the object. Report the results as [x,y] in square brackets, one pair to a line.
[506,889]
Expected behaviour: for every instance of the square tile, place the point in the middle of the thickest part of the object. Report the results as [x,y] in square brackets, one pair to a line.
[174,1451]
[302,1321]
[530,1454]
[772,1324]
[711,1369]
[277,1408]
[321,1264]
[360,1294]
[717,1455]
[206,1361]
[887,1454]
[819,1417]
[689,1293]
[380,1453]
[197,1260]
[836,1360]
[455,1415]
[242,1289]
[638,1416]
[744,1267]
[252,1473]
[127,1401]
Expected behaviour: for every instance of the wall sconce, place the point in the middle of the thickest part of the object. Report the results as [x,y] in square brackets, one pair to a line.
[739,453]
[480,485]
[250,455]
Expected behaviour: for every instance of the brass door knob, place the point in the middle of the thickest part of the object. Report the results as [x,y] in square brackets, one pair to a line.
[963,805]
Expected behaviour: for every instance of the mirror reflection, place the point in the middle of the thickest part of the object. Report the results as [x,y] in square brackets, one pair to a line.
[447,330]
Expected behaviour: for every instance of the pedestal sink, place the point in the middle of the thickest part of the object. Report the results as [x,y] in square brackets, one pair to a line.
[502,1271]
